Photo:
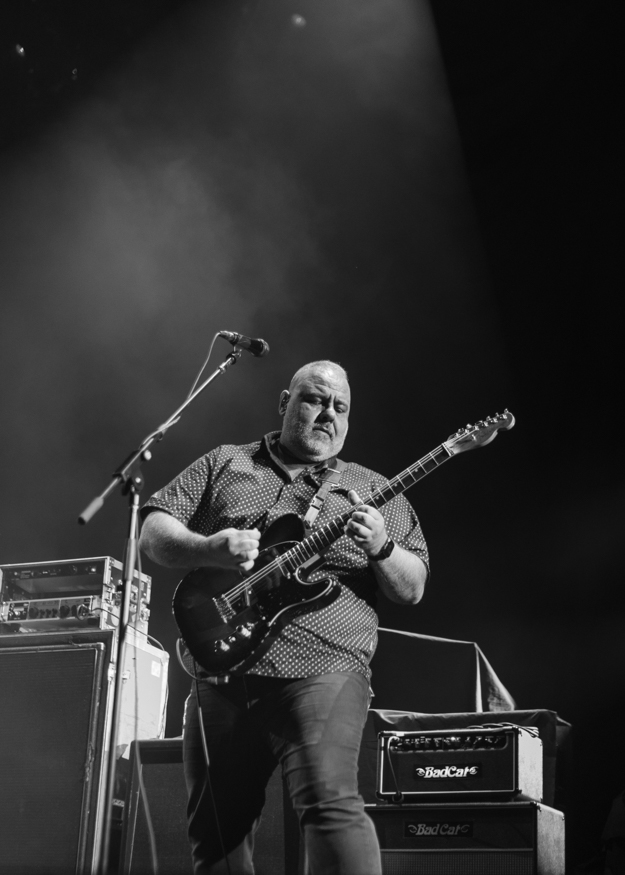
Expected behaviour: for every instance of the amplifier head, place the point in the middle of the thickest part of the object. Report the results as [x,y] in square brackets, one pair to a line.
[503,762]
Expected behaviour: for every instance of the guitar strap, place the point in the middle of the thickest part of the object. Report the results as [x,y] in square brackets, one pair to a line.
[331,477]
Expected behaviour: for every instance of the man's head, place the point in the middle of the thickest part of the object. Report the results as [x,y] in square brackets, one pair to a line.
[316,411]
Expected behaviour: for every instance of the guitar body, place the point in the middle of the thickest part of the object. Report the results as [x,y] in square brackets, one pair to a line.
[229,635]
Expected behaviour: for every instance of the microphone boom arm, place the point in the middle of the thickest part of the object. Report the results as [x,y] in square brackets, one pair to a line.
[128,473]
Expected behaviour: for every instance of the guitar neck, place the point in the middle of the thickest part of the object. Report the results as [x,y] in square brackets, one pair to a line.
[324,537]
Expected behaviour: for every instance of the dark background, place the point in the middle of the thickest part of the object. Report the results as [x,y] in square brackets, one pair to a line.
[432,197]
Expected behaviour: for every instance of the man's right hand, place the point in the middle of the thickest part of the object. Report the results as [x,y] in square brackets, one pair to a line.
[232,548]
[167,541]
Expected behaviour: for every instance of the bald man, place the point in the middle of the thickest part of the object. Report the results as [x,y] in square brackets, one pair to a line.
[304,703]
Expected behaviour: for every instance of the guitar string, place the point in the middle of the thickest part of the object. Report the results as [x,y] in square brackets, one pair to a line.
[341,520]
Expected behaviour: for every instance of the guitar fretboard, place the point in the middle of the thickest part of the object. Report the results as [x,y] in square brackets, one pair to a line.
[324,537]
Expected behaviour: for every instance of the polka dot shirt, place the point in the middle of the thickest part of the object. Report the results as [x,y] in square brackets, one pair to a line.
[247,486]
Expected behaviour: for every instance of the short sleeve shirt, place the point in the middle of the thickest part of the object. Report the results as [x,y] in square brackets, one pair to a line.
[245,487]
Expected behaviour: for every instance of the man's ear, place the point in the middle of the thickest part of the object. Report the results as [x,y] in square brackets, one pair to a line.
[285,397]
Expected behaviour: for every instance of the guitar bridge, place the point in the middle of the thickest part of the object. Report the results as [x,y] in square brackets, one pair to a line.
[224,607]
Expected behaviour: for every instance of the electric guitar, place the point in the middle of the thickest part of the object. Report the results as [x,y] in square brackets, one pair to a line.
[228,620]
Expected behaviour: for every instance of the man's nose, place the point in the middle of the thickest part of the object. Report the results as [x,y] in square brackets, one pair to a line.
[328,413]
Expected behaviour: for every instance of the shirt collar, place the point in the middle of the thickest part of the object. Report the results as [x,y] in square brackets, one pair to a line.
[270,442]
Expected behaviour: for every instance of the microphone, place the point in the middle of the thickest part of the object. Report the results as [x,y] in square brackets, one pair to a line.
[255,345]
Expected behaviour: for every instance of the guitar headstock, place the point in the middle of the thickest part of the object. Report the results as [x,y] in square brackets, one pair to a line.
[480,434]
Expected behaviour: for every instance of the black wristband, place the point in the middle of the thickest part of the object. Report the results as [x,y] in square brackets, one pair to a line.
[385,552]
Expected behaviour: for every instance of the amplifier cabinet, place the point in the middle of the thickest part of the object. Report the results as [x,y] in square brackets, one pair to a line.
[56,691]
[503,762]
[52,738]
[469,838]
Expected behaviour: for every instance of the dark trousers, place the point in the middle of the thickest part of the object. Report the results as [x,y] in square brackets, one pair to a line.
[313,727]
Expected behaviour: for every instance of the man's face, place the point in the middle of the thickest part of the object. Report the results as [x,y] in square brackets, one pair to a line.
[316,412]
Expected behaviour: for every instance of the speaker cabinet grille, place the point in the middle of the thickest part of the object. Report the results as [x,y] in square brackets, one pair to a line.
[457,863]
[49,756]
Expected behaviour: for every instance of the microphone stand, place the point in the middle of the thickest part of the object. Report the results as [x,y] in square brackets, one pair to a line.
[130,477]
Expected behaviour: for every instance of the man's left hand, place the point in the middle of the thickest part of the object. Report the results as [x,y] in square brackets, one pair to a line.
[366,527]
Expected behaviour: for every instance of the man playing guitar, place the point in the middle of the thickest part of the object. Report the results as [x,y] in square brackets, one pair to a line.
[301,701]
